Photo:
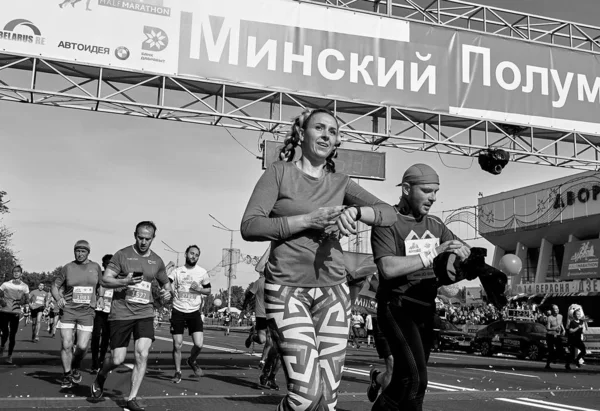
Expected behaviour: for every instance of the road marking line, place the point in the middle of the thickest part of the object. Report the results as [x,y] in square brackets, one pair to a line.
[365,373]
[571,407]
[452,386]
[443,358]
[530,404]
[504,372]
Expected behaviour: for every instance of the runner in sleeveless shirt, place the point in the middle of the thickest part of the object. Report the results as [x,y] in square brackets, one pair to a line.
[74,290]
[404,256]
[13,293]
[37,302]
[190,282]
[101,332]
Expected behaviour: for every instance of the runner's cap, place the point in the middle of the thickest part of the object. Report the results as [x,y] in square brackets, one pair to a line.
[82,244]
[420,174]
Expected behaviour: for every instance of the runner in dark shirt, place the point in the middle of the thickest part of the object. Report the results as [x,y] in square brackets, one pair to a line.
[404,256]
[130,273]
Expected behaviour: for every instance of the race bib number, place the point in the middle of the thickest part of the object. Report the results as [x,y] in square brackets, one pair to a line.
[139,293]
[39,300]
[415,247]
[188,296]
[108,296]
[83,295]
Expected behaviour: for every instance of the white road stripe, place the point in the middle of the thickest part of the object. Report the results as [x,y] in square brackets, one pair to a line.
[365,373]
[504,372]
[439,384]
[531,404]
[571,407]
[435,357]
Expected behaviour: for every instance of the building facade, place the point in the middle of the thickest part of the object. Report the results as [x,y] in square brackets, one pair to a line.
[553,227]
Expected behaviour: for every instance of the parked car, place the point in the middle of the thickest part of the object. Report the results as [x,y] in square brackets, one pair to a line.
[525,339]
[448,336]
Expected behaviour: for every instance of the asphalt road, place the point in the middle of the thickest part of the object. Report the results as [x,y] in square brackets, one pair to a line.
[457,381]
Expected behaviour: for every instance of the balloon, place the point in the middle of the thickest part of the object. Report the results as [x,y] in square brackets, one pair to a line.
[217,302]
[510,264]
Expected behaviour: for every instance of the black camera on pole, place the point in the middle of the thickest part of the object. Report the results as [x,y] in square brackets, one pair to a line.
[493,160]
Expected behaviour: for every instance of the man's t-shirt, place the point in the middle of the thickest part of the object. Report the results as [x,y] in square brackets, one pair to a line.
[405,238]
[79,282]
[185,300]
[38,299]
[258,289]
[12,296]
[575,336]
[135,301]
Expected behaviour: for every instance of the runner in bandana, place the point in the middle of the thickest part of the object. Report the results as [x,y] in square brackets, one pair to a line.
[74,290]
[404,255]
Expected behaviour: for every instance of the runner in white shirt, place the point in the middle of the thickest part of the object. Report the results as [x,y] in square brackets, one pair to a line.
[190,282]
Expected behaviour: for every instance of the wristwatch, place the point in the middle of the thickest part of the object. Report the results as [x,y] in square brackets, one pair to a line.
[358,213]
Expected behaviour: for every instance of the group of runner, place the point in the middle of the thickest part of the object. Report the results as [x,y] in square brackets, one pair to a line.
[303,207]
[109,305]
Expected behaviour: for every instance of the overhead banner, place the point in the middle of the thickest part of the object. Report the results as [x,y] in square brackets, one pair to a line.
[581,260]
[322,51]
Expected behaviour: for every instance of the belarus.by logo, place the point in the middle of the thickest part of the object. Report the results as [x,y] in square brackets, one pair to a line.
[8,33]
[156,39]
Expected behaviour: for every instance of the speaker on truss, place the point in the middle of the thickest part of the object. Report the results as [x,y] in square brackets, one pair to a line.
[493,160]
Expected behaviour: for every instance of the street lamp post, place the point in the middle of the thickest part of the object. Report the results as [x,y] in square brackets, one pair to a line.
[225,228]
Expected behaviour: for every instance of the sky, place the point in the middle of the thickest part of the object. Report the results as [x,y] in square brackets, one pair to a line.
[73,175]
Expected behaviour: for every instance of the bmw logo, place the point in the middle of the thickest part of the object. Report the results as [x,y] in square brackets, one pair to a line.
[122,53]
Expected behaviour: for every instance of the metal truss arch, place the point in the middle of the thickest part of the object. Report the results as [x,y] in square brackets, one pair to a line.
[484,19]
[73,85]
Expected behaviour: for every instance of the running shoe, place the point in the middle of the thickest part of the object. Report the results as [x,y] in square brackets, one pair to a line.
[271,384]
[262,381]
[97,387]
[132,405]
[374,386]
[36,339]
[195,367]
[67,381]
[76,376]
[248,342]
[9,359]
[177,377]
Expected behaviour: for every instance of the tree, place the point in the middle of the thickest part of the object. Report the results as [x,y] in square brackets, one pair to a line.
[7,256]
[237,296]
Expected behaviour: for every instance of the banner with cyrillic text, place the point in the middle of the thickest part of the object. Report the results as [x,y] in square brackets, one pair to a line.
[321,51]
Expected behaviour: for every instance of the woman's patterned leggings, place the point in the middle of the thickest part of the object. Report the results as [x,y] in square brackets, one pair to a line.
[310,330]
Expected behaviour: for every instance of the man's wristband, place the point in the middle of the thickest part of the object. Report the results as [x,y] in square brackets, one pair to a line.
[427,257]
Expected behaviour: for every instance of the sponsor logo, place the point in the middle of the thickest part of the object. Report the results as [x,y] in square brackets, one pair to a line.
[151,262]
[586,251]
[23,31]
[70,45]
[156,40]
[141,6]
[122,53]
